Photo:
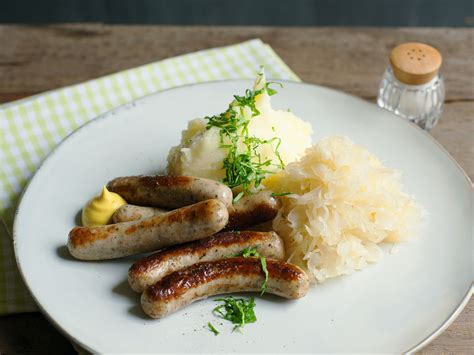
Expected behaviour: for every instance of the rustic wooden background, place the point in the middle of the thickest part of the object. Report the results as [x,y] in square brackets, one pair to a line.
[35,59]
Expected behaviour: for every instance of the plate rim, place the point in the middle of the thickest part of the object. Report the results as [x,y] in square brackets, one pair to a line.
[130,104]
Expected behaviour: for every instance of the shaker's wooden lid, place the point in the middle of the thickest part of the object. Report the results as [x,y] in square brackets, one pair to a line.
[415,63]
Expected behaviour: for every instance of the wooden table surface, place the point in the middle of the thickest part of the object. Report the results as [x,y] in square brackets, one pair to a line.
[35,59]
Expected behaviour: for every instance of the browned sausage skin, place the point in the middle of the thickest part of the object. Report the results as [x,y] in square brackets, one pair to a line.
[249,211]
[169,192]
[231,275]
[149,270]
[150,234]
[128,213]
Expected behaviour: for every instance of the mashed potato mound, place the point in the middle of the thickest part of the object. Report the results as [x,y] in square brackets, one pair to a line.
[199,153]
[344,202]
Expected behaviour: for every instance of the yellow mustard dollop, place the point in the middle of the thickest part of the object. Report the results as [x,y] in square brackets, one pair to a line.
[99,210]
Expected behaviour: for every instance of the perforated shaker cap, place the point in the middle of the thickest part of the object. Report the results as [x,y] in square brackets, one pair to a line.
[415,63]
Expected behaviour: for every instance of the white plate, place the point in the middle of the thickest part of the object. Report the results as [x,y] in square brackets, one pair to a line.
[392,306]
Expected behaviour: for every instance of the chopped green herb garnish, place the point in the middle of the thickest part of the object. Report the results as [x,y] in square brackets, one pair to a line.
[248,252]
[238,197]
[212,328]
[263,261]
[282,194]
[239,311]
[251,252]
[243,165]
[271,91]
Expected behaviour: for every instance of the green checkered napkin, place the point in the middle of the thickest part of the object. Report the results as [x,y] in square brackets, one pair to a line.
[31,128]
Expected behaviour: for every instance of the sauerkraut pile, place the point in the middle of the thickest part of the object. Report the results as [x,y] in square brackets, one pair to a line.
[344,202]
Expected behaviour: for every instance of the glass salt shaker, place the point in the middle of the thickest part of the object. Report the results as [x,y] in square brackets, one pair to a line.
[412,86]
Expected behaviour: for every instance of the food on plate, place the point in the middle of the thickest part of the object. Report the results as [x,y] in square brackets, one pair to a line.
[243,144]
[149,270]
[128,213]
[212,328]
[343,203]
[248,211]
[238,311]
[251,210]
[185,224]
[169,192]
[229,275]
[99,210]
[333,203]
[252,252]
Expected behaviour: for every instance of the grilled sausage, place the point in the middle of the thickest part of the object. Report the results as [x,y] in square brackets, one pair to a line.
[231,275]
[169,192]
[249,211]
[179,226]
[128,213]
[149,270]
[263,227]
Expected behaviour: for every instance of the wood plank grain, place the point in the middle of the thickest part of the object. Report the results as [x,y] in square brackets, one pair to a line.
[8,97]
[34,59]
[458,338]
[455,132]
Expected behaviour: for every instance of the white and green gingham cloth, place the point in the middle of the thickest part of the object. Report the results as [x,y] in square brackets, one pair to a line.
[32,127]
